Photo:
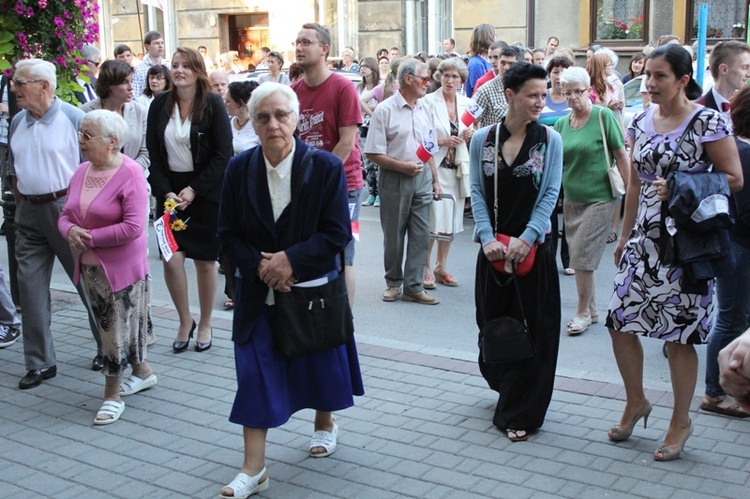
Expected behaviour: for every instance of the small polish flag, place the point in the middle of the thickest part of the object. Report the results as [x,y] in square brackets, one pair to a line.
[472,114]
[428,147]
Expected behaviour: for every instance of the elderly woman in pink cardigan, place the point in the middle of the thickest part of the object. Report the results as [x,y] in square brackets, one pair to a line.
[104,220]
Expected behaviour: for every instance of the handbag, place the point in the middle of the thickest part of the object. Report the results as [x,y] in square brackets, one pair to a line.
[506,339]
[667,250]
[503,266]
[311,319]
[616,183]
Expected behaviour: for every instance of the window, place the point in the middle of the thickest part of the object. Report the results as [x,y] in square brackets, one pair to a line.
[726,19]
[619,21]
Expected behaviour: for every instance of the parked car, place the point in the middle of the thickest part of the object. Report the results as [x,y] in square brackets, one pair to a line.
[633,100]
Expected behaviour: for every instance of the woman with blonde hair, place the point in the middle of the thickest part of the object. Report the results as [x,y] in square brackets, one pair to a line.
[452,160]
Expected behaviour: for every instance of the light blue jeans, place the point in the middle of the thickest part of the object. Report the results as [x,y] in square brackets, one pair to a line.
[733,297]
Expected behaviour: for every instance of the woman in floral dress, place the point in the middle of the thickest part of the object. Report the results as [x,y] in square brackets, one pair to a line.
[529,171]
[648,297]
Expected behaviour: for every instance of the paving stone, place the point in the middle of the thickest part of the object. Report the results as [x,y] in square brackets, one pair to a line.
[424,429]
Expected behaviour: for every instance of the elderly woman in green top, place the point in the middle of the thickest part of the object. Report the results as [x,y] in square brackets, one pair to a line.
[589,204]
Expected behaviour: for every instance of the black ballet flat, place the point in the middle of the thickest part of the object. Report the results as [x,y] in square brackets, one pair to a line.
[202,347]
[181,346]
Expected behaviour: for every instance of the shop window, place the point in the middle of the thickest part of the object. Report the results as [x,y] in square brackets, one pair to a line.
[619,21]
[726,19]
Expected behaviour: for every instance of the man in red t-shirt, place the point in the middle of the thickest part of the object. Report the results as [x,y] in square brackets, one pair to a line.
[329,114]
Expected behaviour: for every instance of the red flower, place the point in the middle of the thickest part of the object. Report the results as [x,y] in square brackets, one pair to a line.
[624,27]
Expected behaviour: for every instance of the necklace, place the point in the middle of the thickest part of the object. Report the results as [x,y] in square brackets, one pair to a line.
[241,125]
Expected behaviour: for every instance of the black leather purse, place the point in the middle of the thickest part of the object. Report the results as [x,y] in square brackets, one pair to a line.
[507,339]
[312,319]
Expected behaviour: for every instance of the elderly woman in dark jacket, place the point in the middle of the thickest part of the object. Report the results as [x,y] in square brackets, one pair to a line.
[275,243]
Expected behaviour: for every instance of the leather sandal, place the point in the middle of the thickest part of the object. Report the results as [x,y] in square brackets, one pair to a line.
[110,408]
[724,404]
[244,485]
[517,435]
[326,440]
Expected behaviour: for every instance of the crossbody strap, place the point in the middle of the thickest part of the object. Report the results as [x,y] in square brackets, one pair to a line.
[604,139]
[679,142]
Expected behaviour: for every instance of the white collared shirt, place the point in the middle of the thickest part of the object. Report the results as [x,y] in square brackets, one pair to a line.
[280,183]
[720,100]
[280,188]
[45,151]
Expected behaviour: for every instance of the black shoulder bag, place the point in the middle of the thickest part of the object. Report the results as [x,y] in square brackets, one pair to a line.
[311,319]
[506,339]
[667,250]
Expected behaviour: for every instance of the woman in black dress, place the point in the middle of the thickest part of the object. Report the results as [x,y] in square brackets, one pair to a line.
[189,142]
[528,159]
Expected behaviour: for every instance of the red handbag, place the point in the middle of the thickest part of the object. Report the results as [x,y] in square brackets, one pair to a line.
[506,266]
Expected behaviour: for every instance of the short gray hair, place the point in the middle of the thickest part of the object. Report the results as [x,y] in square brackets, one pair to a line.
[89,52]
[40,70]
[269,88]
[454,63]
[574,74]
[609,53]
[109,124]
[409,66]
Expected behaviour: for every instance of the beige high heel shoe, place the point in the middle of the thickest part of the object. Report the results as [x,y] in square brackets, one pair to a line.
[619,433]
[672,452]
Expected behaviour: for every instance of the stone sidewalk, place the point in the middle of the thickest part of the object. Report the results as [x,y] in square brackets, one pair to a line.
[423,429]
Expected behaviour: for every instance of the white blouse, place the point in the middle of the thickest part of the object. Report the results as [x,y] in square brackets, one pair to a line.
[244,139]
[177,141]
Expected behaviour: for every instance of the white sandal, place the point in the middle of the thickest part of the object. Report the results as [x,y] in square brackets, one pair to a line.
[245,485]
[325,439]
[110,408]
[133,384]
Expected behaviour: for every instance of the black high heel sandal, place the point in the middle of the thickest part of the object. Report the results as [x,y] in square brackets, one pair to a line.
[181,346]
[202,347]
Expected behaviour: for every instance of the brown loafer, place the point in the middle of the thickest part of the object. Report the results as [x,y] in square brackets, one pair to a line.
[422,297]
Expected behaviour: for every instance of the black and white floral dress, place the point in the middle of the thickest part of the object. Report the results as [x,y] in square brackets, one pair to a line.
[647,298]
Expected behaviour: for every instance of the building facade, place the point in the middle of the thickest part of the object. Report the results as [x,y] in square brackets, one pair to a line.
[412,25]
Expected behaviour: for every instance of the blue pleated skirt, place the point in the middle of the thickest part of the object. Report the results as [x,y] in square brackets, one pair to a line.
[271,387]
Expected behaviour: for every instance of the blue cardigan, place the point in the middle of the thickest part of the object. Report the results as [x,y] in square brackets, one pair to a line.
[246,225]
[539,224]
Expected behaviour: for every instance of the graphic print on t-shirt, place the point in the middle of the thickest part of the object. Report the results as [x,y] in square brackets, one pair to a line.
[310,128]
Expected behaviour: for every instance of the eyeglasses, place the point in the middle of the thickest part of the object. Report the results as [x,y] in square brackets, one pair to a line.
[86,136]
[265,118]
[424,79]
[574,93]
[305,42]
[20,83]
[449,76]
[93,63]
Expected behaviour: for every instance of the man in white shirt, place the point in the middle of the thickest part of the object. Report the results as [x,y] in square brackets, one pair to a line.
[730,69]
[154,45]
[399,126]
[44,154]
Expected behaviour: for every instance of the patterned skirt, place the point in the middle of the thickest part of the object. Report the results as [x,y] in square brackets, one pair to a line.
[124,318]
[647,298]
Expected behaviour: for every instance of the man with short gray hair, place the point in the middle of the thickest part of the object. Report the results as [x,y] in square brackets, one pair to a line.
[407,185]
[44,153]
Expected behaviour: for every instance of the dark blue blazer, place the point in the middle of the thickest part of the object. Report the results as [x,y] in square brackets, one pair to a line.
[246,226]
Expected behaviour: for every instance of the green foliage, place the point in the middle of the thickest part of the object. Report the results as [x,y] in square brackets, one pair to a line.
[53,30]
